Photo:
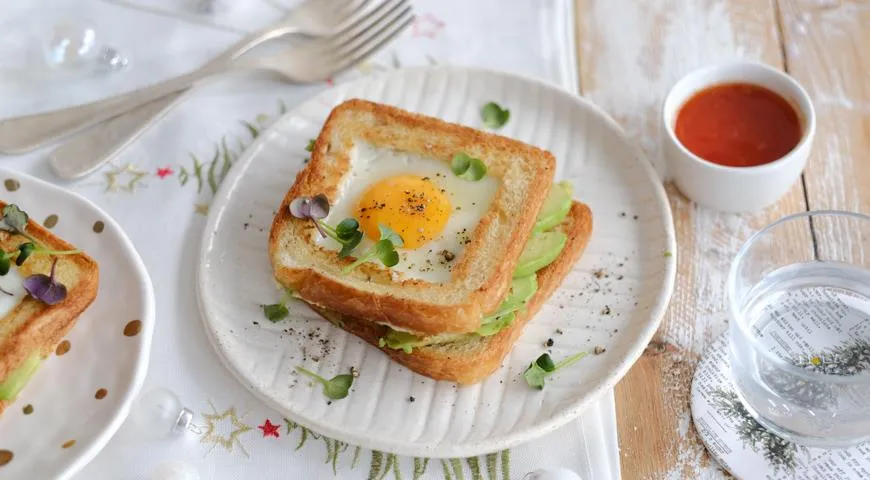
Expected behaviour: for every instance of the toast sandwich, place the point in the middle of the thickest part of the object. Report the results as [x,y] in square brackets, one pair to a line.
[461,233]
[30,328]
[469,358]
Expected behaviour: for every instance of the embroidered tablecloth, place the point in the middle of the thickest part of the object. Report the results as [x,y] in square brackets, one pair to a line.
[160,188]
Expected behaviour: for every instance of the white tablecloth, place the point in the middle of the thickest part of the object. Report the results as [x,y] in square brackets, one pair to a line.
[153,193]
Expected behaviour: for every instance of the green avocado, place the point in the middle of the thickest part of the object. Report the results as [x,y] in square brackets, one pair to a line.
[521,291]
[15,382]
[556,206]
[542,249]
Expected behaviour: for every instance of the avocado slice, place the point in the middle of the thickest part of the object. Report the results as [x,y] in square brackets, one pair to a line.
[543,248]
[399,340]
[15,382]
[556,206]
[521,291]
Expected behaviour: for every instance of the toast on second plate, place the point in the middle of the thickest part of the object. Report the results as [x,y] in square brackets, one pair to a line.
[30,329]
[461,234]
[470,358]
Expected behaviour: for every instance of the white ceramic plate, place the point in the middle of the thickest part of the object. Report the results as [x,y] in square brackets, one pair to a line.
[614,297]
[101,356]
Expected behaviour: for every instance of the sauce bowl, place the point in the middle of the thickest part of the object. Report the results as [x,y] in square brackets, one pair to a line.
[736,189]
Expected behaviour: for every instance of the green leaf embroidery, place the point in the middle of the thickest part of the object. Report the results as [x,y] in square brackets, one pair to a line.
[420,465]
[492,466]
[253,130]
[474,466]
[506,464]
[355,457]
[183,176]
[391,465]
[227,159]
[212,182]
[457,469]
[445,467]
[197,172]
[376,465]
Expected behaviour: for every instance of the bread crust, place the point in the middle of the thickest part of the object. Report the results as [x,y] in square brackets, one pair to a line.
[34,326]
[482,275]
[471,366]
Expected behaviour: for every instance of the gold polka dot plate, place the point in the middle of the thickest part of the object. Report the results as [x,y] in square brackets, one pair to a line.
[70,418]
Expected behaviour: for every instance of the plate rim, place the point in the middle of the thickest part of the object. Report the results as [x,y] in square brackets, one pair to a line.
[491,444]
[95,445]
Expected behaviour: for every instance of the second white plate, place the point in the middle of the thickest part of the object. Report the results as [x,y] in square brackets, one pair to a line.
[614,297]
[79,398]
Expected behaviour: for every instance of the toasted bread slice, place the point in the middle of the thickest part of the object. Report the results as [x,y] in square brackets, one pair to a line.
[480,277]
[470,361]
[33,327]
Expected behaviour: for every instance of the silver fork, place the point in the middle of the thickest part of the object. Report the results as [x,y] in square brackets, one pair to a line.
[313,61]
[314,17]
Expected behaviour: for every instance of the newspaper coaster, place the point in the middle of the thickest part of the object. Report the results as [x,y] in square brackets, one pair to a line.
[747,449]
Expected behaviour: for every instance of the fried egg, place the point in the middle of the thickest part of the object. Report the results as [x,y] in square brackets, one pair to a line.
[434,211]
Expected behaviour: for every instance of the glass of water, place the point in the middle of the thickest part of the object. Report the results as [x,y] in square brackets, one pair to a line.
[799,336]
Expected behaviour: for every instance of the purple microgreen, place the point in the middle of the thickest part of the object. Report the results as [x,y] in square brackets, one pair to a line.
[319,206]
[300,207]
[384,250]
[45,288]
[311,208]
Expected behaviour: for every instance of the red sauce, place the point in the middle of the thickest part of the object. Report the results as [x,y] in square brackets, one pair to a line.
[738,125]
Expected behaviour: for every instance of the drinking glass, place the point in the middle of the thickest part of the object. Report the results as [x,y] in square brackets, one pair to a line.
[799,335]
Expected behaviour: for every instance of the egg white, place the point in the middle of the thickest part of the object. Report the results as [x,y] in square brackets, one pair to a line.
[469,201]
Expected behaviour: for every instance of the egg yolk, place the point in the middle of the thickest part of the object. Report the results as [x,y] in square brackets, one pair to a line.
[411,206]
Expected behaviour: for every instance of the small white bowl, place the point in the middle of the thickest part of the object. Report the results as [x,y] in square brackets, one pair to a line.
[736,189]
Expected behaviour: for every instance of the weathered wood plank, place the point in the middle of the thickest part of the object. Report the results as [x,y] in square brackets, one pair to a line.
[826,45]
[630,53]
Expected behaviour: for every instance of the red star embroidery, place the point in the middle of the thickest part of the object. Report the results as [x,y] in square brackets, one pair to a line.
[330,82]
[164,172]
[427,25]
[269,430]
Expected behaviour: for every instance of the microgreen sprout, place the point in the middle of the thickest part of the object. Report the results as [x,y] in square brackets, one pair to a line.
[543,367]
[278,311]
[15,221]
[494,116]
[310,147]
[467,167]
[336,387]
[316,208]
[346,233]
[384,250]
[45,287]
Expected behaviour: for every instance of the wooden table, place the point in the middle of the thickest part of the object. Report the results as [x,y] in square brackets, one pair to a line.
[630,52]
